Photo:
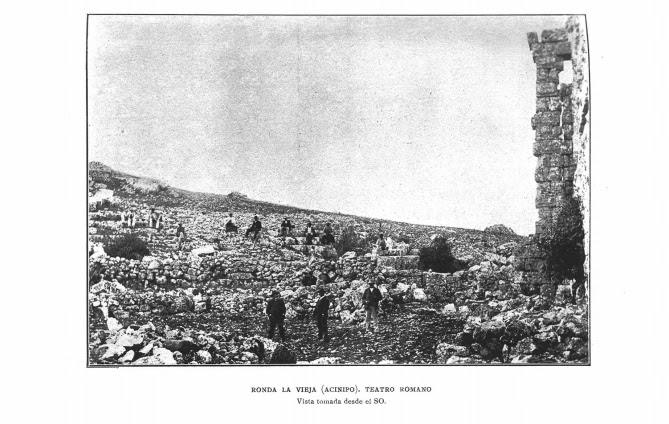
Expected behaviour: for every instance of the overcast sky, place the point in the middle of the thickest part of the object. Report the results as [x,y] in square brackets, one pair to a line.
[417,119]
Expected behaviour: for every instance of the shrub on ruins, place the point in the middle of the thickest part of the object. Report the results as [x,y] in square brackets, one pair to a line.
[129,246]
[438,257]
[350,242]
[563,245]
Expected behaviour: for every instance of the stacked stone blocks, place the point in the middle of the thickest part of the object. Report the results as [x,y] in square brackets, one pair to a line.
[553,123]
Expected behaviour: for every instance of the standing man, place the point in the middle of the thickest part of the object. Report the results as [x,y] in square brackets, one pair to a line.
[276,312]
[321,315]
[370,299]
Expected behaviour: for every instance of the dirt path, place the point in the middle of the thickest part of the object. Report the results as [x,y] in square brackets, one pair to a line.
[409,335]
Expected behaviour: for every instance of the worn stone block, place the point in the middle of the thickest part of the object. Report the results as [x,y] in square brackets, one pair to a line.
[552,146]
[546,89]
[546,214]
[568,173]
[532,38]
[547,199]
[568,131]
[561,49]
[542,75]
[545,132]
[567,116]
[548,103]
[554,35]
[552,173]
[547,118]
[549,61]
[549,160]
[567,160]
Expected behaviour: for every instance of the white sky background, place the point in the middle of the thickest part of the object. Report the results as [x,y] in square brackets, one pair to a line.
[417,119]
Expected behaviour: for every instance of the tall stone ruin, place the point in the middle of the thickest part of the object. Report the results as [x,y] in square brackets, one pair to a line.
[562,139]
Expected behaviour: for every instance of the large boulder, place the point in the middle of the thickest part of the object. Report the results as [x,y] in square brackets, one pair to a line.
[183,346]
[203,251]
[113,352]
[446,350]
[129,341]
[160,356]
[419,295]
[283,355]
[500,229]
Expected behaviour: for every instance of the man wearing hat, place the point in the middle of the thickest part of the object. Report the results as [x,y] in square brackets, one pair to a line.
[276,311]
[370,299]
[321,315]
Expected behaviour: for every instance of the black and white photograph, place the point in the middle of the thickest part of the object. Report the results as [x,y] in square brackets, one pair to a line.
[338,190]
[334,212]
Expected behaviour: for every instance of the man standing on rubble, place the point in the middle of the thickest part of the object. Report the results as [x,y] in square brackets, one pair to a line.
[321,315]
[276,312]
[370,300]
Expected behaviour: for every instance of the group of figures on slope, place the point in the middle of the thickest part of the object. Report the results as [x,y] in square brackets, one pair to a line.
[276,312]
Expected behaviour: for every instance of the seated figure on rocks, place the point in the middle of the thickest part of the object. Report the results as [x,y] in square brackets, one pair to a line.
[308,278]
[286,227]
[255,228]
[310,233]
[230,224]
[328,236]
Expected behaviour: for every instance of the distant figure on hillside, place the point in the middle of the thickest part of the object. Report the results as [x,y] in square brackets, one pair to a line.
[308,278]
[328,237]
[381,245]
[153,218]
[276,312]
[389,243]
[255,228]
[124,222]
[159,222]
[324,278]
[370,299]
[321,315]
[310,233]
[181,232]
[286,227]
[131,219]
[230,224]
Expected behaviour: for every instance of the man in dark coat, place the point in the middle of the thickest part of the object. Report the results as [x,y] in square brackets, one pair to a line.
[370,299]
[321,315]
[255,228]
[276,311]
[308,278]
[286,227]
[328,237]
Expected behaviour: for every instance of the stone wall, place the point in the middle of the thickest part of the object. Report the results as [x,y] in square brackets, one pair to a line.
[580,100]
[553,123]
[562,122]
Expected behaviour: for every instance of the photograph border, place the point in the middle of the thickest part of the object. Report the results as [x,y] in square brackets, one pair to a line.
[503,365]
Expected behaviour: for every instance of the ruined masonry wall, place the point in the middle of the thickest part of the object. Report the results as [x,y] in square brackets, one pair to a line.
[562,123]
[553,123]
[580,99]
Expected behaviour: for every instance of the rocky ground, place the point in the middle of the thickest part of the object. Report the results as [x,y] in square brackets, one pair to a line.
[202,302]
